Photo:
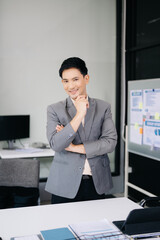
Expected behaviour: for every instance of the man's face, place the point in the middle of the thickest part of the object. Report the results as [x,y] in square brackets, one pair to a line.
[74,82]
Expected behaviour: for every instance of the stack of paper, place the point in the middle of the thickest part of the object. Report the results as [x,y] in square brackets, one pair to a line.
[147,236]
[97,230]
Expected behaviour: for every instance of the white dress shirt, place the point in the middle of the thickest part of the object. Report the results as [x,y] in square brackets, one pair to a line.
[87,169]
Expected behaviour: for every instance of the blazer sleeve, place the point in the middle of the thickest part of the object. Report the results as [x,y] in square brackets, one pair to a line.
[58,140]
[106,142]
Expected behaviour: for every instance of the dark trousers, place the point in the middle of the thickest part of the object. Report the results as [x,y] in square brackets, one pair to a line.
[86,192]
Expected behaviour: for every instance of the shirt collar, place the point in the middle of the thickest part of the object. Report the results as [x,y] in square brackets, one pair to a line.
[74,100]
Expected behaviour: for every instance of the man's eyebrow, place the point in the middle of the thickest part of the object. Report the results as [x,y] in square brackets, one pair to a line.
[65,79]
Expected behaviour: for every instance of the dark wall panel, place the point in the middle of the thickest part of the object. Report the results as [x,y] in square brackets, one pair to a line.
[143,62]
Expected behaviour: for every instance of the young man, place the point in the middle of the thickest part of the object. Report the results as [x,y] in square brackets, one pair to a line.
[81,132]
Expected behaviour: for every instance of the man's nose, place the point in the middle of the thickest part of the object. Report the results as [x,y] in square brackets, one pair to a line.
[71,85]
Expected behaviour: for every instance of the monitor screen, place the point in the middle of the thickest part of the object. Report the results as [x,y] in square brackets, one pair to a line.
[14,127]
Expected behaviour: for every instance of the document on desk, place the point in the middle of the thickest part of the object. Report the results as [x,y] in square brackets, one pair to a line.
[98,230]
[147,236]
[30,237]
[29,150]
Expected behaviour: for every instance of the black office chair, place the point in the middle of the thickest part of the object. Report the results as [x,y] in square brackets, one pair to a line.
[150,202]
[19,182]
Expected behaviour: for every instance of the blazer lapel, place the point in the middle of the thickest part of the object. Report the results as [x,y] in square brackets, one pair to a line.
[70,108]
[89,117]
[72,112]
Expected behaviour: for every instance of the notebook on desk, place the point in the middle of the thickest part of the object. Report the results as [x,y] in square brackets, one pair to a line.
[146,220]
[58,234]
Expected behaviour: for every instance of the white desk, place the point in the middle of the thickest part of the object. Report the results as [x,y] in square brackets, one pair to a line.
[31,220]
[26,154]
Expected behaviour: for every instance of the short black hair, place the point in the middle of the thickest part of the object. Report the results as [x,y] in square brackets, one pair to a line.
[73,62]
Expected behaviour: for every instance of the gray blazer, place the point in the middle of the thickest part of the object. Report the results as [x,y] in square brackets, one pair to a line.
[99,138]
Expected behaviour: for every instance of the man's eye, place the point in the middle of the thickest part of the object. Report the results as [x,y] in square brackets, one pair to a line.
[76,79]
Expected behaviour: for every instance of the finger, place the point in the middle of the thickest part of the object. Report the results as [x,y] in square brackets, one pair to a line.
[59,128]
[80,97]
[87,105]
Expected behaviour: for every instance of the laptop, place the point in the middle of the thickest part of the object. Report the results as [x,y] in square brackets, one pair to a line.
[139,221]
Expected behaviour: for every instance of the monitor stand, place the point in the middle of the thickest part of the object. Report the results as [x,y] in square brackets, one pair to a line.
[10,145]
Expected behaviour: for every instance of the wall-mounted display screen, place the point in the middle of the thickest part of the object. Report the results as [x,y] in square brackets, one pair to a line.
[144,117]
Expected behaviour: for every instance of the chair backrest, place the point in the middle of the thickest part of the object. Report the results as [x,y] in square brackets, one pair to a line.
[150,202]
[19,172]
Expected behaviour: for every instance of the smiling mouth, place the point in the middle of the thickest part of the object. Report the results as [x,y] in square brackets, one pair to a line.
[73,91]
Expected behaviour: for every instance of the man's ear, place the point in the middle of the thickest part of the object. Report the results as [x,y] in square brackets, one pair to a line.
[87,78]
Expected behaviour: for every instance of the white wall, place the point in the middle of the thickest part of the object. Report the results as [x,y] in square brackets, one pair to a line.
[36,36]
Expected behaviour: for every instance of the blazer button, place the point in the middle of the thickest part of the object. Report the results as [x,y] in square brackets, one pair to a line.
[69,136]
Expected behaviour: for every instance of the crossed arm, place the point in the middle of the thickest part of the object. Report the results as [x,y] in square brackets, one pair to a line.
[61,138]
[72,148]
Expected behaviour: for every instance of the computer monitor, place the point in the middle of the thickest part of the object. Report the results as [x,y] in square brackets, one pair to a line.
[14,127]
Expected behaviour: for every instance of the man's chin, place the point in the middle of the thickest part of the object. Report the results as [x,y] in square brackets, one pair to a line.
[74,97]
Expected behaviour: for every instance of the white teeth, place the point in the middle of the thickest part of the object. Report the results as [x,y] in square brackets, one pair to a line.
[73,91]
